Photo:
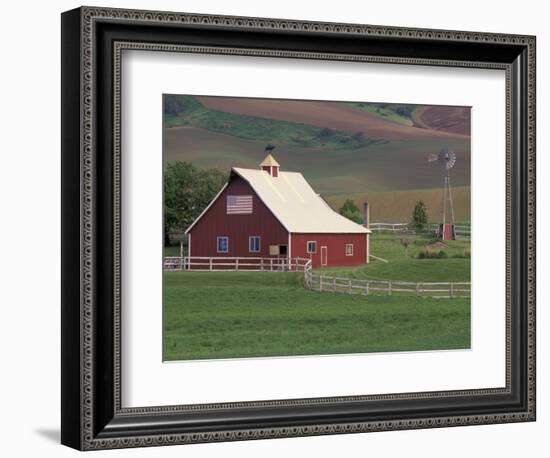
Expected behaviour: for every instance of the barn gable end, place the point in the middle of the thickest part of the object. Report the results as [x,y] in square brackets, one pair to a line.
[237,227]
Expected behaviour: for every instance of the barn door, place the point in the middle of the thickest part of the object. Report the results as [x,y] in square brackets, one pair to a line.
[324,255]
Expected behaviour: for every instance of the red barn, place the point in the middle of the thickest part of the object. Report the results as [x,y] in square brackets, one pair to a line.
[268,213]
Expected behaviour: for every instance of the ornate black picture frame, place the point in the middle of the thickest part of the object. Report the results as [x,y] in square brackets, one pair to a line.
[92,42]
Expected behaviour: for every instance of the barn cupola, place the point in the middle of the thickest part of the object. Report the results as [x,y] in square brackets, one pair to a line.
[270,165]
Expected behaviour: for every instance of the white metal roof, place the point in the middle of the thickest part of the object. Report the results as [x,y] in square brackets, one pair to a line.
[296,205]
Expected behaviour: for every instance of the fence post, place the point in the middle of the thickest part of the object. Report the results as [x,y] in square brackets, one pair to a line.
[418,289]
[451,289]
[210,262]
[350,289]
[389,288]
[367,288]
[271,264]
[320,283]
[333,284]
[237,264]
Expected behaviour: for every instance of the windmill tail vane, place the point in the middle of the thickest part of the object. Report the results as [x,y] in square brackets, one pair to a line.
[446,159]
[432,157]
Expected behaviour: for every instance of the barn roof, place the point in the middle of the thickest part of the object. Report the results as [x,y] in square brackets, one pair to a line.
[295,204]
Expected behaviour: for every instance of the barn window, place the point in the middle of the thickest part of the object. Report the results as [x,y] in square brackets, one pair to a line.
[312,247]
[349,249]
[254,243]
[223,244]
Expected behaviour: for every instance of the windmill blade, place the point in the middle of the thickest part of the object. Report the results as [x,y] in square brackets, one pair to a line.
[451,160]
[446,158]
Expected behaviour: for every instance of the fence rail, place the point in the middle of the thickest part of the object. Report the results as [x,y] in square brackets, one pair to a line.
[461,230]
[392,227]
[318,282]
[325,283]
[250,264]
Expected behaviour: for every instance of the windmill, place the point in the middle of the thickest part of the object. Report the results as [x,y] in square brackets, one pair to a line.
[446,160]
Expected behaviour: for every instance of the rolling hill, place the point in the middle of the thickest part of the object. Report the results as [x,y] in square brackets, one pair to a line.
[386,165]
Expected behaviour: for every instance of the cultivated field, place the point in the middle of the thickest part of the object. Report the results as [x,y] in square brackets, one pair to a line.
[242,314]
[448,119]
[335,115]
[397,206]
[361,151]
[375,168]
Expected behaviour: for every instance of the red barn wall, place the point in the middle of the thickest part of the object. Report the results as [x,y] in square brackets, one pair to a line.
[216,222]
[336,248]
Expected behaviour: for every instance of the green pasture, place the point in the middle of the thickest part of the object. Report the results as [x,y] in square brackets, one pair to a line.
[245,314]
[253,314]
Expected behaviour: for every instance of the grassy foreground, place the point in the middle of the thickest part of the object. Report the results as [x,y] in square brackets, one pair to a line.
[246,314]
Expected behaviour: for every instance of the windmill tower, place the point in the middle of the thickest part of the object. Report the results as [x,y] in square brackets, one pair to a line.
[446,160]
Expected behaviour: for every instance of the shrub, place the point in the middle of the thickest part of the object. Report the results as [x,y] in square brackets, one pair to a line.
[464,255]
[427,254]
[326,132]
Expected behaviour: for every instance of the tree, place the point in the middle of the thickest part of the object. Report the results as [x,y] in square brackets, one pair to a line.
[187,192]
[351,211]
[420,215]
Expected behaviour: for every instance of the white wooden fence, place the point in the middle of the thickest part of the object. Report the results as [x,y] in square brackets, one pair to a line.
[250,264]
[325,283]
[317,282]
[391,227]
[461,230]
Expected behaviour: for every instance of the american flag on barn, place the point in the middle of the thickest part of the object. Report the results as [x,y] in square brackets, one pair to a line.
[239,205]
[268,213]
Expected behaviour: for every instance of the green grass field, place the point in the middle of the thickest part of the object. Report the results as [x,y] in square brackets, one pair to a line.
[244,314]
[238,314]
